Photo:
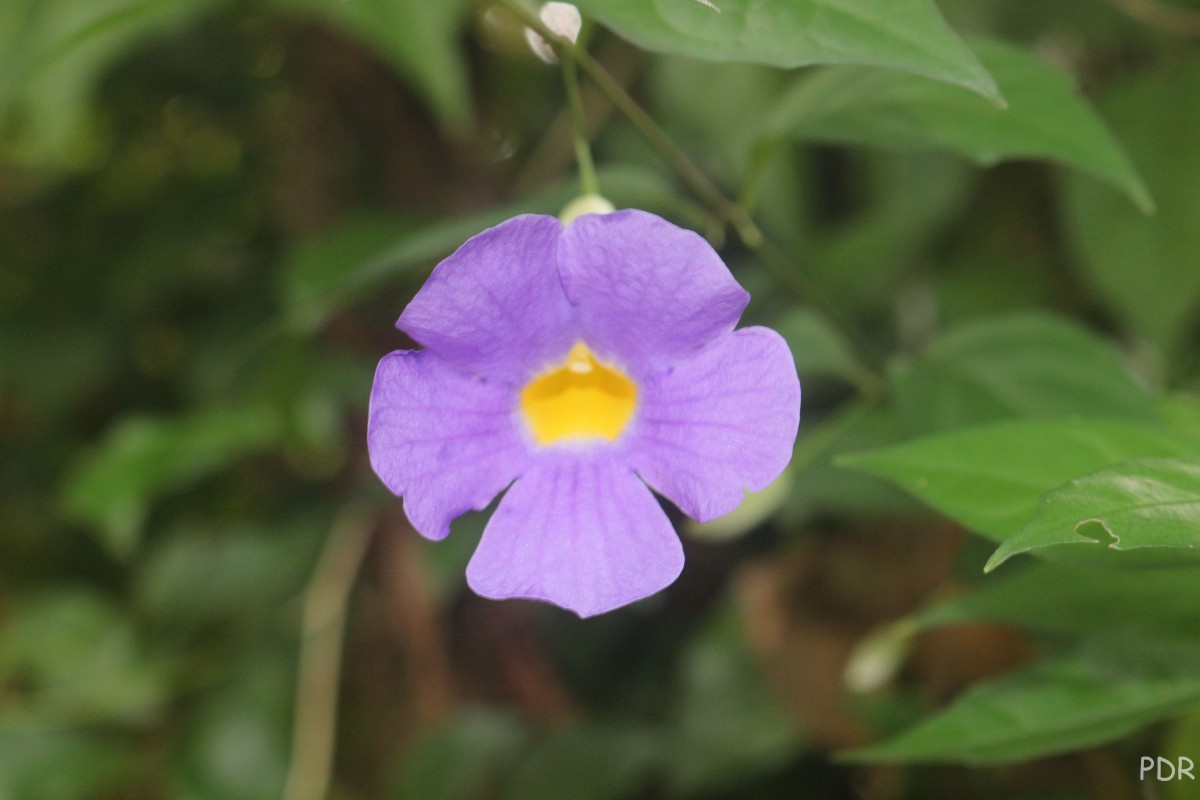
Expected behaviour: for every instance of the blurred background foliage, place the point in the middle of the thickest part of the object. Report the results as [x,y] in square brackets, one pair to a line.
[213,211]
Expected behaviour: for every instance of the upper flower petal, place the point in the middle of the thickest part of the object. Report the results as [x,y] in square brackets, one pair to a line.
[579,531]
[496,307]
[442,439]
[648,293]
[720,423]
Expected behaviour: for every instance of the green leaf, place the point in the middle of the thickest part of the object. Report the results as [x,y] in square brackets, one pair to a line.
[1100,691]
[197,577]
[1027,365]
[419,38]
[141,458]
[1070,600]
[1144,268]
[907,35]
[1045,118]
[53,54]
[819,348]
[591,761]
[729,724]
[991,478]
[1152,502]
[79,661]
[235,743]
[479,742]
[61,765]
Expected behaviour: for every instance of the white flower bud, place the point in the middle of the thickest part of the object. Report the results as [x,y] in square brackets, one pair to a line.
[563,19]
[585,204]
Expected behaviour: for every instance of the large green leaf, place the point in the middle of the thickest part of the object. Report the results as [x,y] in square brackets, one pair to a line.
[908,35]
[1145,268]
[140,458]
[1098,692]
[991,478]
[1045,118]
[1028,365]
[1068,599]
[1152,502]
[419,38]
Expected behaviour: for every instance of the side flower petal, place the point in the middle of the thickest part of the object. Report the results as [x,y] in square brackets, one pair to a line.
[443,440]
[496,306]
[718,424]
[647,291]
[578,531]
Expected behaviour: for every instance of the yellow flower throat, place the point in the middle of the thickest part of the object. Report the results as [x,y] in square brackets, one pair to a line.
[581,399]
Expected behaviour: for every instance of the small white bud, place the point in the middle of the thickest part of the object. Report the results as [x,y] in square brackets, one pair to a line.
[563,19]
[878,657]
[585,204]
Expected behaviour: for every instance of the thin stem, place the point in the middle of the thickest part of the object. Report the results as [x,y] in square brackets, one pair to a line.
[323,627]
[726,209]
[583,150]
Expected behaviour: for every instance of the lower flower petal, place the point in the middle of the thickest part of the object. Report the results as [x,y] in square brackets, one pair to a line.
[720,423]
[578,531]
[445,441]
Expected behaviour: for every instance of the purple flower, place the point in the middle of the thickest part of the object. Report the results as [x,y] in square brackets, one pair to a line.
[585,363]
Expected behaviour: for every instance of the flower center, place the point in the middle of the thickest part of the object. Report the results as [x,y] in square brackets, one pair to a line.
[582,399]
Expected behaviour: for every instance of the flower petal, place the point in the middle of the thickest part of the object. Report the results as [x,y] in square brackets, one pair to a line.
[445,441]
[580,531]
[496,306]
[648,293]
[718,424]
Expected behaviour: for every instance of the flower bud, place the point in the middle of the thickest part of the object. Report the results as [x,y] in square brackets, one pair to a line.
[564,20]
[585,204]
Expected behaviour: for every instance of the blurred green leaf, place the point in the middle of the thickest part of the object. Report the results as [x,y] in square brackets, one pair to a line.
[728,723]
[1183,739]
[197,577]
[908,35]
[139,459]
[910,198]
[818,347]
[1068,599]
[419,38]
[1153,502]
[1027,365]
[590,761]
[1145,267]
[236,745]
[80,660]
[1045,118]
[481,744]
[1181,412]
[61,765]
[991,478]
[1100,691]
[53,54]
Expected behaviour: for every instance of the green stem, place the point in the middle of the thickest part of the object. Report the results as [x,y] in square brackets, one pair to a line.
[583,150]
[323,627]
